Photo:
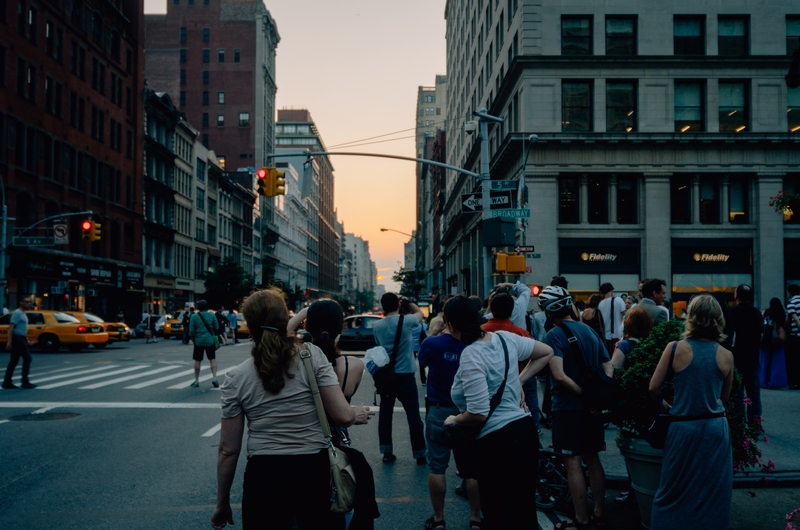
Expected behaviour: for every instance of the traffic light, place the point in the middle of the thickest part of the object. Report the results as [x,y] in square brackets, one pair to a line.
[86,229]
[536,289]
[277,182]
[263,181]
[508,263]
[94,232]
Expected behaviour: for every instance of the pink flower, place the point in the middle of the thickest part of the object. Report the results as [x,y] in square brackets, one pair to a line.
[747,401]
[746,443]
[766,439]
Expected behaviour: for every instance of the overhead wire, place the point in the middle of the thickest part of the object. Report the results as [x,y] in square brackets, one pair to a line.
[353,143]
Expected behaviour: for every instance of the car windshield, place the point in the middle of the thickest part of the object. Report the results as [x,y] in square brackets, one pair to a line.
[369,323]
[63,318]
[93,318]
[179,316]
[240,317]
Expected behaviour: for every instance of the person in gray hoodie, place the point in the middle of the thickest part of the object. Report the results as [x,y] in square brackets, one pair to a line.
[202,329]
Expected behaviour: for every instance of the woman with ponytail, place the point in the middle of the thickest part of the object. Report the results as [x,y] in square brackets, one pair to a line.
[287,477]
[506,445]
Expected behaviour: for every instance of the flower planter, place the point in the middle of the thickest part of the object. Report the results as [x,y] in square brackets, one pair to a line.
[644,467]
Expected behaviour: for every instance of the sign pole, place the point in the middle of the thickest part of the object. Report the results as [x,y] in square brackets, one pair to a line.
[487,205]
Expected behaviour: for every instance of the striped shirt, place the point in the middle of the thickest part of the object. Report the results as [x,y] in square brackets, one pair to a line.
[793,308]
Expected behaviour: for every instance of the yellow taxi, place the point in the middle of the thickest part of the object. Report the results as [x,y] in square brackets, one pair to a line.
[117,331]
[173,327]
[53,330]
[242,331]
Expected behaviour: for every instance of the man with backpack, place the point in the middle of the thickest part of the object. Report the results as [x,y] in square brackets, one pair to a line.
[578,432]
[202,330]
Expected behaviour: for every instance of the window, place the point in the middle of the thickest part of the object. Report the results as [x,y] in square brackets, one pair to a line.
[681,199]
[236,55]
[597,199]
[621,106]
[98,76]
[220,120]
[205,140]
[568,193]
[199,262]
[54,41]
[221,98]
[576,35]
[212,207]
[627,200]
[49,95]
[26,80]
[33,24]
[793,112]
[183,34]
[77,111]
[206,55]
[183,55]
[205,77]
[115,93]
[205,119]
[201,170]
[244,119]
[183,77]
[206,34]
[220,56]
[738,192]
[201,199]
[576,106]
[689,113]
[689,35]
[732,35]
[97,28]
[792,34]
[205,98]
[212,235]
[620,35]
[732,106]
[709,200]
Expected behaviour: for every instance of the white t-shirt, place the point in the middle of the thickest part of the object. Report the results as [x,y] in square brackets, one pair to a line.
[285,423]
[480,374]
[619,317]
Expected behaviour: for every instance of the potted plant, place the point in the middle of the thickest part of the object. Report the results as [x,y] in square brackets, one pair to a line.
[635,411]
[786,200]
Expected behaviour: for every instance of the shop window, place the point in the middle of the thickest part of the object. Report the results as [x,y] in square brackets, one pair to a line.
[627,200]
[709,200]
[689,106]
[597,199]
[689,35]
[681,199]
[576,35]
[792,34]
[568,193]
[738,193]
[621,106]
[732,106]
[793,110]
[576,106]
[620,35]
[733,35]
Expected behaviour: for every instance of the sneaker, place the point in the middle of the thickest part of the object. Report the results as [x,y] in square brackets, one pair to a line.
[10,386]
[215,383]
[388,458]
[195,384]
[28,385]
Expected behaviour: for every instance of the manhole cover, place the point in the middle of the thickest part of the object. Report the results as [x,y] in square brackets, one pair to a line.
[45,416]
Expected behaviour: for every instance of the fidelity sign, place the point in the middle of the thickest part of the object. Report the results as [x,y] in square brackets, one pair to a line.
[706,258]
[586,256]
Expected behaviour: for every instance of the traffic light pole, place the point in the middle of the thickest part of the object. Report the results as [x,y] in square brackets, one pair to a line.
[485,177]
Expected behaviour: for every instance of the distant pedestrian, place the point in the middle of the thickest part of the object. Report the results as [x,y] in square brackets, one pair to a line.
[654,292]
[202,328]
[638,325]
[120,316]
[18,344]
[522,296]
[630,303]
[773,353]
[793,340]
[233,325]
[222,324]
[613,310]
[592,316]
[150,328]
[746,326]
[186,319]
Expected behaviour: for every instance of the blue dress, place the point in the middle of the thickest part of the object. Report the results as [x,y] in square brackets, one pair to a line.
[697,476]
[773,372]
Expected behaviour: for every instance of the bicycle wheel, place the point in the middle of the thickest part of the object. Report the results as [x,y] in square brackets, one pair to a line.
[552,488]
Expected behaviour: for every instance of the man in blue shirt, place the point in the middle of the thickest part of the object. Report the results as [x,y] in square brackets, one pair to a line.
[404,388]
[18,344]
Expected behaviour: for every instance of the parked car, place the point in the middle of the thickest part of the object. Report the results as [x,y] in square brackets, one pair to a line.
[55,329]
[160,323]
[357,333]
[117,331]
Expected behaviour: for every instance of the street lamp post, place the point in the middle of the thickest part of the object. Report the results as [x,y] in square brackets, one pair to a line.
[393,230]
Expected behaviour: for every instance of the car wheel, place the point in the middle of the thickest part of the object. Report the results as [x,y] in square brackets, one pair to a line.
[101,346]
[49,343]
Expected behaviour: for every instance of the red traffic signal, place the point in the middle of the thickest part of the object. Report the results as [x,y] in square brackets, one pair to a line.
[86,225]
[535,290]
[261,173]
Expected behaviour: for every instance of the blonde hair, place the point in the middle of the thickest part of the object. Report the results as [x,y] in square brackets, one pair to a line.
[273,351]
[704,319]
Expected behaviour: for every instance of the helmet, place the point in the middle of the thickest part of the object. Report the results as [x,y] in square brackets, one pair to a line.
[552,298]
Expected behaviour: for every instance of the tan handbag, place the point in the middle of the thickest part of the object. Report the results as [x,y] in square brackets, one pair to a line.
[343,478]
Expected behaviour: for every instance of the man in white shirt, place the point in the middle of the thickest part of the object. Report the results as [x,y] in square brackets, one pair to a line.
[613,310]
[523,295]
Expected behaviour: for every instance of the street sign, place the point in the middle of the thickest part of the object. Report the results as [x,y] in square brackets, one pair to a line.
[473,202]
[516,213]
[535,256]
[504,184]
[32,241]
[524,249]
[60,234]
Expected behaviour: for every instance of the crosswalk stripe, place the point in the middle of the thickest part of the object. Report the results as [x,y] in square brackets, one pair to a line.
[90,377]
[128,378]
[80,372]
[212,431]
[187,384]
[18,378]
[165,378]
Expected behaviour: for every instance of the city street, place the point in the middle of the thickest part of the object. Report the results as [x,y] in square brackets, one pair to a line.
[117,439]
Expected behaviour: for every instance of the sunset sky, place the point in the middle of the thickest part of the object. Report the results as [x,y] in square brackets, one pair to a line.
[356,65]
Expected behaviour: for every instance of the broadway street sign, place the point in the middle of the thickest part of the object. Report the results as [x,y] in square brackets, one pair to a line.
[518,213]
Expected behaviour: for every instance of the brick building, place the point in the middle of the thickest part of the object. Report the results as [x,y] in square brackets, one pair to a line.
[70,129]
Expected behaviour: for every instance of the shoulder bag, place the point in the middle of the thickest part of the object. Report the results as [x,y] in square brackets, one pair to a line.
[210,332]
[597,389]
[343,478]
[657,433]
[386,378]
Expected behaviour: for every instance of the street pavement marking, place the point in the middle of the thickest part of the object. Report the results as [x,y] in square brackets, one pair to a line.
[212,431]
[18,378]
[90,377]
[81,372]
[101,405]
[187,384]
[128,377]
[42,410]
[165,378]
[5,421]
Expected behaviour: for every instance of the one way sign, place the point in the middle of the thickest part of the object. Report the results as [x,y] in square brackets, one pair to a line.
[473,202]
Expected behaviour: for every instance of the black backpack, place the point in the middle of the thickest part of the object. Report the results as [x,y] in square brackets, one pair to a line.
[597,388]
